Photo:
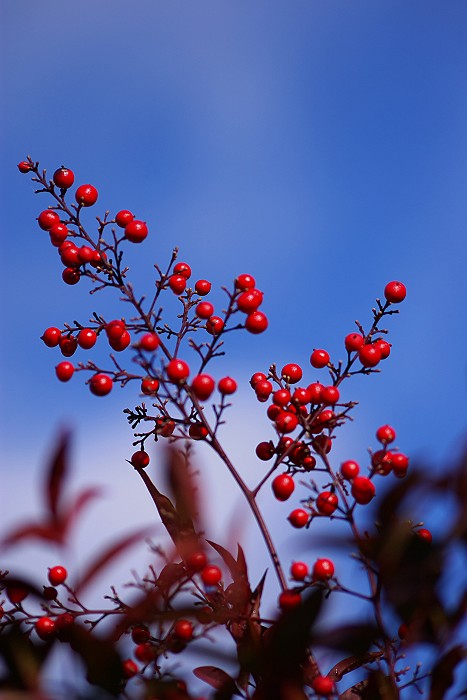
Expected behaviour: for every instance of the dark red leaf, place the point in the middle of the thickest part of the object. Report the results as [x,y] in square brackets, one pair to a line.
[72,512]
[103,664]
[215,677]
[49,533]
[181,480]
[57,473]
[442,676]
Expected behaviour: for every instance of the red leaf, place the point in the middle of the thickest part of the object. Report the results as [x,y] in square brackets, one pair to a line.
[108,554]
[215,677]
[49,533]
[57,473]
[80,502]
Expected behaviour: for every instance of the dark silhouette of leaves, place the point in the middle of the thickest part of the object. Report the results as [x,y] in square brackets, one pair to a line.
[442,675]
[58,472]
[102,662]
[215,677]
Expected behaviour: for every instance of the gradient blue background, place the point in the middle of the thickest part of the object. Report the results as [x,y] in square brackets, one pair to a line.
[321,146]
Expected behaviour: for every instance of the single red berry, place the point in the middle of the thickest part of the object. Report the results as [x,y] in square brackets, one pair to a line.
[68,345]
[327,502]
[214,325]
[136,231]
[324,417]
[86,195]
[47,219]
[319,359]
[299,452]
[177,284]
[385,434]
[289,600]
[369,355]
[316,393]
[183,629]
[384,347]
[140,459]
[211,575]
[64,178]
[350,469]
[196,561]
[323,685]
[114,329]
[284,444]
[309,463]
[273,410]
[177,370]
[363,490]
[245,282]
[291,373]
[381,461]
[322,444]
[202,287]
[57,575]
[99,257]
[256,322]
[204,309]
[301,396]
[149,386]
[323,569]
[286,422]
[197,431]
[298,518]
[129,668]
[353,341]
[149,342]
[58,234]
[64,371]
[395,292]
[281,397]
[145,652]
[265,451]
[183,269]
[299,570]
[140,634]
[63,625]
[165,427]
[51,337]
[87,338]
[227,386]
[257,377]
[330,395]
[100,384]
[85,254]
[263,389]
[121,343]
[45,628]
[16,594]
[24,166]
[425,535]
[250,300]
[400,464]
[283,486]
[71,276]
[70,256]
[123,218]
[203,386]
[49,593]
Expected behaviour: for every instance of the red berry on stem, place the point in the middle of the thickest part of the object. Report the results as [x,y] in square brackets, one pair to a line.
[183,269]
[203,287]
[323,570]
[47,219]
[177,284]
[64,178]
[177,370]
[203,386]
[319,359]
[52,337]
[45,628]
[257,377]
[299,517]
[211,575]
[353,341]
[114,329]
[149,342]
[58,234]
[87,338]
[369,355]
[323,685]
[227,386]
[149,386]
[395,292]
[68,345]
[384,346]
[265,451]
[197,431]
[140,634]
[330,395]
[425,535]
[385,434]
[349,469]
[286,422]
[299,570]
[245,282]
[140,459]
[183,629]
[214,325]
[400,463]
[121,343]
[283,486]
[123,218]
[70,255]
[301,396]
[71,276]
[64,371]
[196,561]
[100,384]
[256,322]
[16,594]
[204,309]
[129,668]
[281,397]
[289,600]
[316,393]
[291,373]
[327,502]
[263,389]
[250,300]
[24,166]
[86,195]
[136,231]
[363,490]
[57,575]
[85,254]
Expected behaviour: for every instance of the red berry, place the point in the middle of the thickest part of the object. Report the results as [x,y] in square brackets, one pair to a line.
[400,463]
[140,459]
[202,287]
[149,386]
[204,309]
[85,254]
[214,325]
[353,341]
[68,345]
[211,575]
[149,342]
[384,347]
[140,634]
[197,431]
[281,397]
[136,231]
[256,322]
[363,490]
[177,370]
[301,396]
[395,292]
[283,486]
[349,469]
[63,624]
[64,178]
[319,358]
[203,386]
[245,282]
[291,373]
[227,386]
[369,355]
[45,628]
[121,343]
[99,257]
[24,166]
[183,629]
[16,594]
[58,233]
[250,300]
[316,393]
[114,329]
[196,561]
[145,652]
[327,502]
[323,570]
[100,384]
[323,417]
[330,395]
[87,338]
[51,337]
[385,434]
[257,377]
[86,195]
[64,371]
[183,269]
[286,422]
[47,219]
[177,284]
[265,451]
[298,518]
[283,445]
[322,443]
[71,276]
[70,256]
[425,535]
[123,218]
[288,600]
[299,570]
[323,685]
[57,575]
[129,668]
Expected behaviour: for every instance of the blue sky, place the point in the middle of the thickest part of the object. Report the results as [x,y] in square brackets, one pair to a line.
[320,146]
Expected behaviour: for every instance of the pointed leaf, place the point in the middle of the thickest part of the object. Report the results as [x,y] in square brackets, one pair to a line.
[74,510]
[442,675]
[34,530]
[58,471]
[182,483]
[228,559]
[103,664]
[213,676]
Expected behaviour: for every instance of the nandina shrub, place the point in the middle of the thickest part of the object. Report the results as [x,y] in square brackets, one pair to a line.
[199,586]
